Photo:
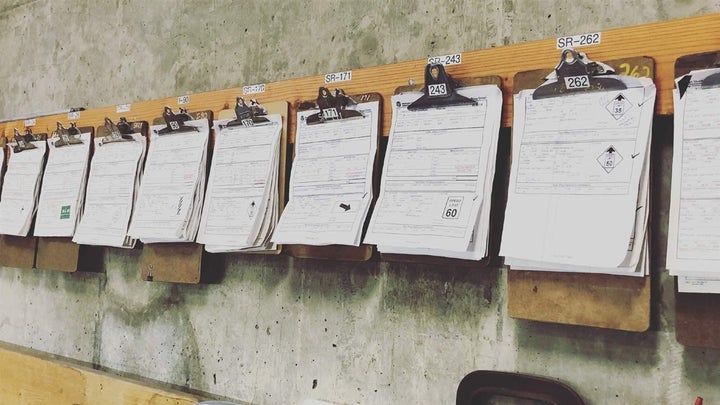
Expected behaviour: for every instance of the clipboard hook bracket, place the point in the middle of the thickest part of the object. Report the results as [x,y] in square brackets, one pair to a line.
[439,90]
[333,107]
[176,122]
[248,115]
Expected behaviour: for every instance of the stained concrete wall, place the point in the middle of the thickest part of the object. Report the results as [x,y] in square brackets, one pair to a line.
[278,330]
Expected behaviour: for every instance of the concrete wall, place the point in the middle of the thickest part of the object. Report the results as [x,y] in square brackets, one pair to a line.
[278,330]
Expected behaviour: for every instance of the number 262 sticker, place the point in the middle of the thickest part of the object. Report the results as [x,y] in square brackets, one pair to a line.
[452,208]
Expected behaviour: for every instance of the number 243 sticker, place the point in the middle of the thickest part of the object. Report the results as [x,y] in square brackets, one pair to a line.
[452,208]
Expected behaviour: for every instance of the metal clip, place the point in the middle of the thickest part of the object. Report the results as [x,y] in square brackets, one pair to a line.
[248,115]
[333,107]
[176,122]
[69,136]
[23,142]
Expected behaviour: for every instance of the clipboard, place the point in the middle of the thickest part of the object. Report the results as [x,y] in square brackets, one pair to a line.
[61,253]
[177,262]
[697,316]
[497,207]
[599,300]
[343,252]
[281,108]
[18,251]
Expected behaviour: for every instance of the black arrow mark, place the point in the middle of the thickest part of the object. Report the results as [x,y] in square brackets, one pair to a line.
[610,150]
[620,97]
[344,206]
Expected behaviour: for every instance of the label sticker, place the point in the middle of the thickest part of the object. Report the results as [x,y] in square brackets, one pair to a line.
[65,212]
[618,106]
[452,208]
[446,60]
[609,159]
[575,41]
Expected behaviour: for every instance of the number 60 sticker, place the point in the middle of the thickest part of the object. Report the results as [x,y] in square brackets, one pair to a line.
[452,208]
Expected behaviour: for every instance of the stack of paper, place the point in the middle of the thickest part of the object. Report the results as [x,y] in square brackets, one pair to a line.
[437,178]
[693,251]
[111,191]
[578,193]
[331,179]
[21,188]
[241,202]
[63,185]
[171,191]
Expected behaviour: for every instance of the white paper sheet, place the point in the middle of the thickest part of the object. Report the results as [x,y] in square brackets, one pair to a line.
[693,250]
[576,193]
[438,173]
[111,192]
[331,180]
[240,208]
[63,187]
[171,191]
[21,189]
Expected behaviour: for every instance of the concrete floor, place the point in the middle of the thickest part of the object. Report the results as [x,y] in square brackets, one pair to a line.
[278,330]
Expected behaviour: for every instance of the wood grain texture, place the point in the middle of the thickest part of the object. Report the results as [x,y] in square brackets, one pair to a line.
[28,377]
[662,41]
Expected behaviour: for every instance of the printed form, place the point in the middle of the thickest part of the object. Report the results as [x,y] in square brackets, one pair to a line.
[437,177]
[693,251]
[240,209]
[331,180]
[63,187]
[171,191]
[578,193]
[112,186]
[21,188]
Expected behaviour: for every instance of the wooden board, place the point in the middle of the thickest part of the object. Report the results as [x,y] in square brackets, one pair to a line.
[663,41]
[497,202]
[174,262]
[599,300]
[343,252]
[697,316]
[61,254]
[282,108]
[30,377]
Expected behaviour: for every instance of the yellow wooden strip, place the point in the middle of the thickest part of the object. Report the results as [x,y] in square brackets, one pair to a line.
[663,41]
[31,378]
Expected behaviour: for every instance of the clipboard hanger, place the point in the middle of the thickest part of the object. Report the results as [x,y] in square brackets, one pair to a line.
[67,136]
[248,115]
[710,81]
[24,142]
[176,122]
[333,107]
[576,70]
[122,132]
[439,90]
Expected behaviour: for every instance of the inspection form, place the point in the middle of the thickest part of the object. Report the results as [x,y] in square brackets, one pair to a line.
[63,186]
[693,250]
[578,193]
[21,188]
[241,201]
[331,179]
[171,191]
[111,192]
[437,177]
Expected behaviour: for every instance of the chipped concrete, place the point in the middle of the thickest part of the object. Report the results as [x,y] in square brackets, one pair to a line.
[278,330]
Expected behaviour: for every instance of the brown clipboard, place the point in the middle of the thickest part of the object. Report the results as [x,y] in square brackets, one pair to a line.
[342,252]
[281,108]
[697,316]
[16,251]
[177,262]
[599,300]
[61,253]
[497,206]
